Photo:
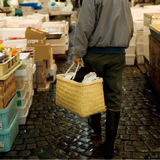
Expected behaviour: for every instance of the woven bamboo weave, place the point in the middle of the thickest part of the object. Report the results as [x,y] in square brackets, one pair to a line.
[83,99]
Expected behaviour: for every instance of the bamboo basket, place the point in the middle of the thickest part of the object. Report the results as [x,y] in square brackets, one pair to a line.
[83,99]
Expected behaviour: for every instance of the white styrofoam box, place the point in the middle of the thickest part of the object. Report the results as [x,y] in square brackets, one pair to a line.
[11,32]
[139,47]
[131,49]
[27,13]
[146,29]
[24,57]
[59,48]
[44,4]
[62,40]
[138,25]
[22,110]
[43,15]
[44,9]
[65,12]
[133,40]
[140,59]
[130,59]
[139,35]
[22,119]
[15,43]
[55,12]
[145,49]
[59,24]
[51,73]
[146,38]
[44,12]
[3,14]
[27,8]
[30,23]
[22,72]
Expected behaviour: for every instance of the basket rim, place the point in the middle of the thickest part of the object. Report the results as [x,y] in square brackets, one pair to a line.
[60,77]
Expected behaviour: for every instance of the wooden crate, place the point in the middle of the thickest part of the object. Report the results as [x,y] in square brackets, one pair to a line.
[155,63]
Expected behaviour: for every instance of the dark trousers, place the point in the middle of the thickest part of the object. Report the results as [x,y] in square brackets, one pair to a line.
[110,67]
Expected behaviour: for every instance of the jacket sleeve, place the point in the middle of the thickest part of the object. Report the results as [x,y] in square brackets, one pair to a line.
[84,28]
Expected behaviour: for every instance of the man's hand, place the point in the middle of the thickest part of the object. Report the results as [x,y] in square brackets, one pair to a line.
[77,60]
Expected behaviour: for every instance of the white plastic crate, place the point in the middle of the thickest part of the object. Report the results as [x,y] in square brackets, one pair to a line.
[19,82]
[139,47]
[22,101]
[139,35]
[130,59]
[146,38]
[22,119]
[140,58]
[22,110]
[131,49]
[138,25]
[22,72]
[146,49]
[21,92]
[59,48]
[133,40]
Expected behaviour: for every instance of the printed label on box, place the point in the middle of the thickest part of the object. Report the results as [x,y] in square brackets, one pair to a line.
[1,146]
[32,41]
[1,125]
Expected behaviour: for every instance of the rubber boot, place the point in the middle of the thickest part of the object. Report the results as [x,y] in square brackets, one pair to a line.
[112,121]
[94,122]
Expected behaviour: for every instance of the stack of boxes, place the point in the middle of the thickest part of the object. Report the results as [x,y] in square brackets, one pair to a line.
[8,113]
[43,57]
[27,10]
[131,51]
[149,18]
[24,85]
[44,4]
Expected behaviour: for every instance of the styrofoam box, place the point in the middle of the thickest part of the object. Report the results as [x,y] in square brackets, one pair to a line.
[59,24]
[131,49]
[140,59]
[21,101]
[8,136]
[139,47]
[7,115]
[57,41]
[27,8]
[21,92]
[146,38]
[22,110]
[30,23]
[22,72]
[133,40]
[130,59]
[54,13]
[11,32]
[138,25]
[146,49]
[59,48]
[15,43]
[139,35]
[44,1]
[43,15]
[22,119]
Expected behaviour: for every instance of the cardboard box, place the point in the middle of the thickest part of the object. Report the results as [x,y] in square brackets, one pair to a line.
[36,42]
[40,74]
[40,79]
[42,52]
[39,85]
[32,33]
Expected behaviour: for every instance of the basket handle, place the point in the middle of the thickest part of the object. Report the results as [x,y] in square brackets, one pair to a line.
[75,70]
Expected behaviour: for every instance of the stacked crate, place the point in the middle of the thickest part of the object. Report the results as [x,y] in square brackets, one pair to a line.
[24,85]
[44,4]
[27,10]
[130,51]
[8,113]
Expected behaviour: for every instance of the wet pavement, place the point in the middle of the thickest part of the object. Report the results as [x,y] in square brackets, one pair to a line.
[52,132]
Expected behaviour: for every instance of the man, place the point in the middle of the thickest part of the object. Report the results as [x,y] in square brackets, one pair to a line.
[103,32]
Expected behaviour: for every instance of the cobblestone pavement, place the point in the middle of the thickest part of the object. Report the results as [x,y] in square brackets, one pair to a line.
[55,133]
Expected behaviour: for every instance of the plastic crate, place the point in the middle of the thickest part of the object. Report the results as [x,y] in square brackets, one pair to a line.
[59,49]
[139,47]
[131,49]
[9,65]
[21,92]
[130,59]
[7,115]
[140,58]
[22,72]
[21,101]
[19,82]
[22,110]
[22,119]
[8,136]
